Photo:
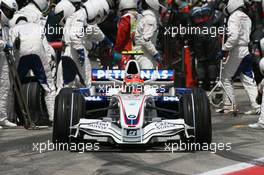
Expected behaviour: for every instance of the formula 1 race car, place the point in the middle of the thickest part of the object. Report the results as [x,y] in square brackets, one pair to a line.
[132,107]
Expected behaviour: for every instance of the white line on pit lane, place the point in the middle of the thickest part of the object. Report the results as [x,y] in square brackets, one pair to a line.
[232,168]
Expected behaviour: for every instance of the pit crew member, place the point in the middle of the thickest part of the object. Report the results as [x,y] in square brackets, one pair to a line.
[77,41]
[7,10]
[29,42]
[239,29]
[260,100]
[126,29]
[146,34]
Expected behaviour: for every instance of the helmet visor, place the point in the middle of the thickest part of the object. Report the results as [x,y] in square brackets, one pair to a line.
[47,9]
[8,12]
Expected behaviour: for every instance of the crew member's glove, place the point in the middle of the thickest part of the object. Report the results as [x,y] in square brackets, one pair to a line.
[94,46]
[17,43]
[158,58]
[259,99]
[53,66]
[221,55]
[107,42]
[7,47]
[81,56]
[117,57]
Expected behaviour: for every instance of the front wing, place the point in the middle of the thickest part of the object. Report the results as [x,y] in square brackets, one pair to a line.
[103,130]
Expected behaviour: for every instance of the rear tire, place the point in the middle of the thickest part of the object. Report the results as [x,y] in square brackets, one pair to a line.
[63,119]
[35,98]
[197,114]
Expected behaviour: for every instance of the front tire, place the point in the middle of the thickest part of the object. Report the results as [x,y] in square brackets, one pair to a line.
[197,114]
[69,108]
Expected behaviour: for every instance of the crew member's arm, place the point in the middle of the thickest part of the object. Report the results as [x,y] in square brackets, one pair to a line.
[233,31]
[95,33]
[149,26]
[123,34]
[77,30]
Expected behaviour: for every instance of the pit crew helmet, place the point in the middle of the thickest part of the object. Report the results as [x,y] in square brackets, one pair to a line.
[155,4]
[96,11]
[7,9]
[262,46]
[42,5]
[63,10]
[76,1]
[233,5]
[127,4]
[104,10]
[261,66]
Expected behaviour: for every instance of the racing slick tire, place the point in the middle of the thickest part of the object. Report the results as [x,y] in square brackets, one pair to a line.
[35,97]
[197,114]
[69,108]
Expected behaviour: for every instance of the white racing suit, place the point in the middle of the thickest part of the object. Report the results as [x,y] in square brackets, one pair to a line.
[261,90]
[32,56]
[6,96]
[32,13]
[145,39]
[239,29]
[78,35]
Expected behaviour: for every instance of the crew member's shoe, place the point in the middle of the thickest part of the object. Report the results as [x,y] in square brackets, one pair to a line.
[253,112]
[200,84]
[225,110]
[5,123]
[1,127]
[256,126]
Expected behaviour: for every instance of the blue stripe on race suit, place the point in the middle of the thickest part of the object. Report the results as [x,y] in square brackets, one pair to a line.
[246,67]
[32,62]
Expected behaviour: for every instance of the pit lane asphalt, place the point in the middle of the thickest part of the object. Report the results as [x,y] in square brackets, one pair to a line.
[17,155]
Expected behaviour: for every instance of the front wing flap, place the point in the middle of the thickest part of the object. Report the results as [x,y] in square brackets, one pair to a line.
[97,129]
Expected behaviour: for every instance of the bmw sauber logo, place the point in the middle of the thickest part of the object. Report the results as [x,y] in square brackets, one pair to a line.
[131,117]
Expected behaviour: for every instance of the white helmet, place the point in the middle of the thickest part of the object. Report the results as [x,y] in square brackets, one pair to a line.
[96,11]
[261,66]
[104,9]
[127,4]
[63,10]
[43,5]
[7,9]
[262,46]
[74,1]
[155,4]
[233,5]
